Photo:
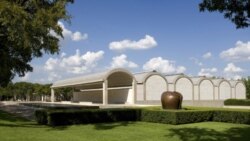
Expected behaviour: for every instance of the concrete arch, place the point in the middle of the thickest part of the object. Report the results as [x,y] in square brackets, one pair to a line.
[225,91]
[206,91]
[185,86]
[240,90]
[155,84]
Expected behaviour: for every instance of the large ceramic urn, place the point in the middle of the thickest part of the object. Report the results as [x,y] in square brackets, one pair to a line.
[171,100]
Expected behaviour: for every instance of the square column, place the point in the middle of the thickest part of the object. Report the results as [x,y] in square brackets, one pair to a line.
[134,91]
[105,92]
[52,95]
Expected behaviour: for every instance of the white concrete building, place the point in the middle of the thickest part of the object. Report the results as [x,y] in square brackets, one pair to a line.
[110,87]
[223,89]
[119,86]
[238,89]
[181,83]
[150,86]
[203,88]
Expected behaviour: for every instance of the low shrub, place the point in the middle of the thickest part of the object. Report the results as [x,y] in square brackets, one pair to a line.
[237,102]
[242,117]
[167,117]
[41,116]
[57,118]
[183,117]
[68,117]
[176,117]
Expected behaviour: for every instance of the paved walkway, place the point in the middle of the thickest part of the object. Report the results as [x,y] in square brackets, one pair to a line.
[23,111]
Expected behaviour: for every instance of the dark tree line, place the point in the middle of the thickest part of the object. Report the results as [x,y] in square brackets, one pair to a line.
[25,91]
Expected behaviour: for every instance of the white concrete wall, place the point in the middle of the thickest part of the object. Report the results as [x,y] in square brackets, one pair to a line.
[240,91]
[140,92]
[94,96]
[216,93]
[224,90]
[233,92]
[171,87]
[120,96]
[155,85]
[185,87]
[196,92]
[206,90]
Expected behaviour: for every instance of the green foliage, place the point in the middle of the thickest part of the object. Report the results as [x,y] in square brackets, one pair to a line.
[241,117]
[167,117]
[237,102]
[41,116]
[68,117]
[238,11]
[247,84]
[25,33]
[24,91]
[176,117]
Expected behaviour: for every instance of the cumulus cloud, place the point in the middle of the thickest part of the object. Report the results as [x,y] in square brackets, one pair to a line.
[209,72]
[207,55]
[163,65]
[232,72]
[241,52]
[145,43]
[231,68]
[121,61]
[75,64]
[196,61]
[74,36]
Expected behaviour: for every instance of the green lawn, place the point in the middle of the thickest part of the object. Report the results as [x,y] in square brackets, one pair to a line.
[15,129]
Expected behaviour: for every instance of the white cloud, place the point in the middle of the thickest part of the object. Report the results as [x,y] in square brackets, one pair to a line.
[231,68]
[121,61]
[145,43]
[237,77]
[75,64]
[209,72]
[196,61]
[241,52]
[162,65]
[74,36]
[207,55]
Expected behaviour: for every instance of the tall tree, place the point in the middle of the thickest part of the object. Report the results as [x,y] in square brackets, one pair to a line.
[247,84]
[25,33]
[238,11]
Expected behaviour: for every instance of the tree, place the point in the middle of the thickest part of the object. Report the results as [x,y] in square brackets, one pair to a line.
[238,11]
[247,84]
[25,33]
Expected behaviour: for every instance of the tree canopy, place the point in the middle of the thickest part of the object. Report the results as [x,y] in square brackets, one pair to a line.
[238,11]
[25,33]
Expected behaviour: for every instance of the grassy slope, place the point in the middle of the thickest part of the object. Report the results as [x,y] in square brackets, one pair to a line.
[16,129]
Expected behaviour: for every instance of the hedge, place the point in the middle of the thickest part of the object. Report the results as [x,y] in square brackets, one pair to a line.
[175,117]
[242,117]
[68,117]
[237,102]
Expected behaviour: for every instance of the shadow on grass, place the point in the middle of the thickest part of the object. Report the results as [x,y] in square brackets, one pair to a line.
[204,134]
[108,126]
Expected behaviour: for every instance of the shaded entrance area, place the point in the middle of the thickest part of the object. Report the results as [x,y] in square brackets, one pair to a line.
[116,86]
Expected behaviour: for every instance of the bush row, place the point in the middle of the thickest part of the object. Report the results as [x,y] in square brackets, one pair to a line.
[55,118]
[68,117]
[237,102]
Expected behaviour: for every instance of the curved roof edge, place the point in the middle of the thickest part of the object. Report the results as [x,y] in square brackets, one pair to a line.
[142,77]
[87,79]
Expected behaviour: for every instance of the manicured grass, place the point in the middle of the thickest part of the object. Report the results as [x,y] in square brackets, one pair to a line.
[16,129]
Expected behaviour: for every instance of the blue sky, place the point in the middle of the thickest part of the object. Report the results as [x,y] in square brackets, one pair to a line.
[170,36]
